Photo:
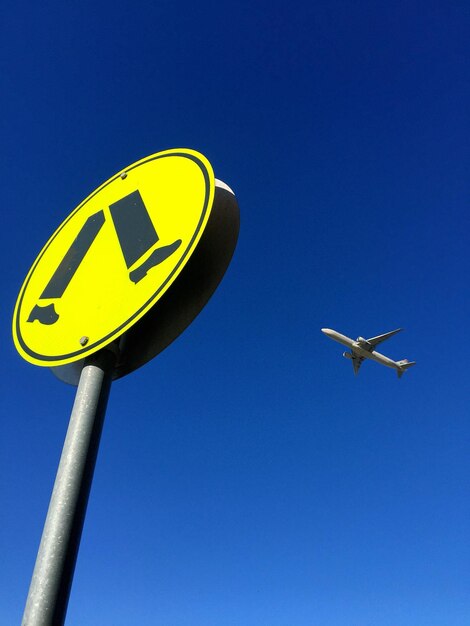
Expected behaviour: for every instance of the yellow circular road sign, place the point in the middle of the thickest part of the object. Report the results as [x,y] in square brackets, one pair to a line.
[115,255]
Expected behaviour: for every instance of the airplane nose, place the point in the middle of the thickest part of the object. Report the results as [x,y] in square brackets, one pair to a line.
[326,331]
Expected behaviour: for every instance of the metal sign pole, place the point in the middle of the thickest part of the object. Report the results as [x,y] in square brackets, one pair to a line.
[49,591]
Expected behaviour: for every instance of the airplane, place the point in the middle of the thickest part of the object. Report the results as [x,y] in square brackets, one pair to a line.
[365,349]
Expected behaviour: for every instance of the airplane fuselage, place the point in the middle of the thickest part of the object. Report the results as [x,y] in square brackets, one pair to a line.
[359,348]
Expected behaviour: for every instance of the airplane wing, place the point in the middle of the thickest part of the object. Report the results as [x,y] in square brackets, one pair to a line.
[357,362]
[374,341]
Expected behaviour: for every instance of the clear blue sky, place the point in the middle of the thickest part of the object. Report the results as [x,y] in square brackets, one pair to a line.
[245,476]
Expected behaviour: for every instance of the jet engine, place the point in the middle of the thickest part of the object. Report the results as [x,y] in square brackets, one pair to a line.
[347,355]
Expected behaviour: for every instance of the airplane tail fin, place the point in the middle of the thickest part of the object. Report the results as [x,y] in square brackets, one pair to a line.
[403,366]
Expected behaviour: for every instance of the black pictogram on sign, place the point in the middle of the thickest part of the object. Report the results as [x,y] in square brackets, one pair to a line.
[136,234]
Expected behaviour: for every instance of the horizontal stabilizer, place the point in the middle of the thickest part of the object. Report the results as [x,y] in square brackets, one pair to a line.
[403,366]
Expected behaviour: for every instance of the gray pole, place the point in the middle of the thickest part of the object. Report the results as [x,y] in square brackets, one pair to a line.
[48,595]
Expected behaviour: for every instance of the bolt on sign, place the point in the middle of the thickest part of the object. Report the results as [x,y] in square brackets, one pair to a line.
[116,256]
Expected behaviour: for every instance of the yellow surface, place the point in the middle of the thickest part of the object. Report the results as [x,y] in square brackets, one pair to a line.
[101,302]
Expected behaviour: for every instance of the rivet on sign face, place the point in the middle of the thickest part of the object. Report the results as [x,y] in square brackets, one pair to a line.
[83,341]
[123,175]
